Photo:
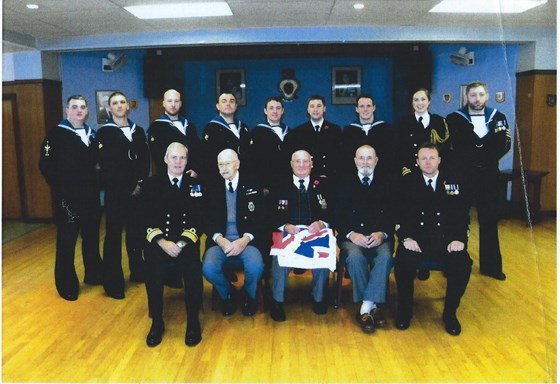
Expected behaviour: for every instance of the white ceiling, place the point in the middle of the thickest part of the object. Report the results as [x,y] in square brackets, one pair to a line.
[62,22]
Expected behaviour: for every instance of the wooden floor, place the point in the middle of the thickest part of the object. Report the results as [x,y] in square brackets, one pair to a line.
[509,328]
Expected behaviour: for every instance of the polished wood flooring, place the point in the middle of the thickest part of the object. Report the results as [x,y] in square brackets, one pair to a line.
[509,328]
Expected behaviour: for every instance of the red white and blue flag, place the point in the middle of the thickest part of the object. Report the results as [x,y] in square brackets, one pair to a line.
[305,250]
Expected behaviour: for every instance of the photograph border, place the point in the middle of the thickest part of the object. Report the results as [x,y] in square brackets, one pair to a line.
[102,113]
[336,98]
[241,94]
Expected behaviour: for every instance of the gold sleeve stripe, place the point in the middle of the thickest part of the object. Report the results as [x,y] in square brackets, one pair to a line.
[406,171]
[153,232]
[191,234]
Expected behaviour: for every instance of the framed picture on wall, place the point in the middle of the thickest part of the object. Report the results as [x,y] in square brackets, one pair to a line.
[346,84]
[231,81]
[102,106]
[463,96]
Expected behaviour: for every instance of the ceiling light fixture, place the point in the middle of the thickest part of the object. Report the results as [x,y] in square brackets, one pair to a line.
[32,6]
[486,6]
[179,10]
[359,6]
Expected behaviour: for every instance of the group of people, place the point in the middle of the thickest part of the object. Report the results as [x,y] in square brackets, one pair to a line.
[367,182]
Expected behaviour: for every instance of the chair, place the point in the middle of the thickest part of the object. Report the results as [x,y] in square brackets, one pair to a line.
[236,269]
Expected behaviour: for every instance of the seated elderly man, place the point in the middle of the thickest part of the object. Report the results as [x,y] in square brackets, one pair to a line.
[365,229]
[234,233]
[300,200]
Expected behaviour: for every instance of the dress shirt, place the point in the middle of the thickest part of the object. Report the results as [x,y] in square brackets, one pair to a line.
[425,118]
[434,180]
[305,181]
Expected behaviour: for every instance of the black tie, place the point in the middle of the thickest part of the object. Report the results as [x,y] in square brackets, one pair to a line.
[317,128]
[230,187]
[430,187]
[365,181]
[420,122]
[175,182]
[301,186]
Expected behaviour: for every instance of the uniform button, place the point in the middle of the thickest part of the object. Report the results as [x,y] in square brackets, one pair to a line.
[421,223]
[422,213]
[168,215]
[324,156]
[361,225]
[415,155]
[411,135]
[438,224]
[415,145]
[245,217]
[167,222]
[438,213]
[166,229]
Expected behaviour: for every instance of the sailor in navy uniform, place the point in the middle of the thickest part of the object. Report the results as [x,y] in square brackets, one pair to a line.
[125,162]
[433,225]
[172,127]
[267,151]
[172,222]
[418,128]
[480,137]
[222,132]
[319,137]
[375,133]
[301,200]
[68,163]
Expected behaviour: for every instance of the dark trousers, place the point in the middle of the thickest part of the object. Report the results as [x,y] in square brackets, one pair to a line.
[122,211]
[71,224]
[486,194]
[456,266]
[191,272]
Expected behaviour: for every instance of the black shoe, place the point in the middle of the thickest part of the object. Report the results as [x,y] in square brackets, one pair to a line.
[452,325]
[193,336]
[299,271]
[423,274]
[365,321]
[402,321]
[498,276]
[70,296]
[154,336]
[249,306]
[277,311]
[378,315]
[118,295]
[319,307]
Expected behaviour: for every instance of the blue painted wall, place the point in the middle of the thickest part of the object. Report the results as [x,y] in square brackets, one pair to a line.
[494,64]
[263,76]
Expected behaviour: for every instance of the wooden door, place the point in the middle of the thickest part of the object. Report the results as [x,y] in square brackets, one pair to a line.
[11,188]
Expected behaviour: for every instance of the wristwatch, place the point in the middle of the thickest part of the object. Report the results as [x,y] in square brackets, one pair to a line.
[181,244]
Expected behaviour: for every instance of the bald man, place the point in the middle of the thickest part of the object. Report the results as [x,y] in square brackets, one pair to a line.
[300,201]
[172,127]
